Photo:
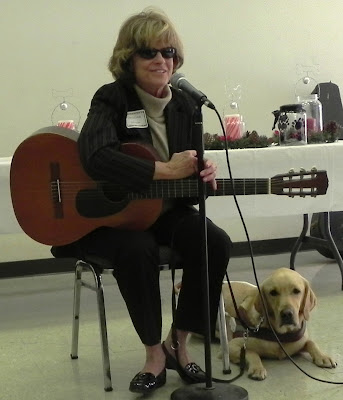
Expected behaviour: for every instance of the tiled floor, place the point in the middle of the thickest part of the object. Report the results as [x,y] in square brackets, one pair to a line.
[35,337]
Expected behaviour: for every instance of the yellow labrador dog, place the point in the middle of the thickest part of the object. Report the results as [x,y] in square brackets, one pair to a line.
[288,299]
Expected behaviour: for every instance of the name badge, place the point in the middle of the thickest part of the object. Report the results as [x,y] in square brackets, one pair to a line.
[136,119]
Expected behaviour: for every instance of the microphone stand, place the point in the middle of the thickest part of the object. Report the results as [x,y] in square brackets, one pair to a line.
[198,391]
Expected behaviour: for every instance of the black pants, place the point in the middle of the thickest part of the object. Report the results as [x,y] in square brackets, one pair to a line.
[135,257]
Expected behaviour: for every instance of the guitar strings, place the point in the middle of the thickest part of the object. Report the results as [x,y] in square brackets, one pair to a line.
[191,188]
[163,186]
[178,188]
[173,189]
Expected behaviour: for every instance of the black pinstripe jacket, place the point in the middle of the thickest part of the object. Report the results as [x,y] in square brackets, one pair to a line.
[105,129]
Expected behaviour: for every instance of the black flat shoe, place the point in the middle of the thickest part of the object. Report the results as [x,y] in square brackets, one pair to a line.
[191,373]
[147,382]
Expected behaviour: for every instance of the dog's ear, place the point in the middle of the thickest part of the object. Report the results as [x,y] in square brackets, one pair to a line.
[309,301]
[247,311]
[254,307]
[259,304]
[248,301]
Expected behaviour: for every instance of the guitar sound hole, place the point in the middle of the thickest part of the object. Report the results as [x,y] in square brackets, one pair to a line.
[113,192]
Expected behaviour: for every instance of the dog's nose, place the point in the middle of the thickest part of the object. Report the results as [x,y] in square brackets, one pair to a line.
[287,316]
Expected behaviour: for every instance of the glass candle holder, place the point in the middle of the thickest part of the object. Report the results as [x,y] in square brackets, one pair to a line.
[234,126]
[314,113]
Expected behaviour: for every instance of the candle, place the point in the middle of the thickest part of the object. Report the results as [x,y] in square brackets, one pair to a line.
[69,124]
[233,126]
[311,124]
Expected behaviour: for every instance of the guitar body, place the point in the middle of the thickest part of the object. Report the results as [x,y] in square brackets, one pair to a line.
[47,182]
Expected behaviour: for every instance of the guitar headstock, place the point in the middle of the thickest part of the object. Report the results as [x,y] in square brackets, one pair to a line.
[303,183]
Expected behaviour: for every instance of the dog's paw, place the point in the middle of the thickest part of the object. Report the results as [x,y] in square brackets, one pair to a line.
[324,361]
[257,373]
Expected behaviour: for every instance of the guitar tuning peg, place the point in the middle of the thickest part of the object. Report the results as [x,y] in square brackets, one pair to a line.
[291,171]
[314,169]
[302,170]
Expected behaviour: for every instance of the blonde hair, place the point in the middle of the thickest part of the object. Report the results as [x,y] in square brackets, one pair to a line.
[139,31]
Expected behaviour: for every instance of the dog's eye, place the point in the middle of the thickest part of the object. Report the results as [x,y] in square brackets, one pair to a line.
[273,293]
[296,291]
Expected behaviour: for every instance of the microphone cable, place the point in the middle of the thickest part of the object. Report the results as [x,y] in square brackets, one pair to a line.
[253,265]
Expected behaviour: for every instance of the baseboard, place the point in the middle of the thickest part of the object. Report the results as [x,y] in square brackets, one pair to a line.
[62,265]
[267,247]
[46,266]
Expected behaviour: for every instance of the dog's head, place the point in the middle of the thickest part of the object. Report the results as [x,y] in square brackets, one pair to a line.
[288,299]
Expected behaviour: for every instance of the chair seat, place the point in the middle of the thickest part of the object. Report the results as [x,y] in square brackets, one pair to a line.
[166,254]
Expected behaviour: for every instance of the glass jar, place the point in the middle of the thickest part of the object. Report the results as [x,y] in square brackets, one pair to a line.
[291,123]
[314,112]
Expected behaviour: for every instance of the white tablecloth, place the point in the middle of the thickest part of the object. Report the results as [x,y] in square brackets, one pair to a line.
[270,161]
[245,163]
[8,221]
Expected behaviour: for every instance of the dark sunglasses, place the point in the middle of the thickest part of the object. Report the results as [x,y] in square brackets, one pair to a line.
[149,54]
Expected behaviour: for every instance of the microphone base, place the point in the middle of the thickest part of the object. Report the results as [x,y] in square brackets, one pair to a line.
[221,391]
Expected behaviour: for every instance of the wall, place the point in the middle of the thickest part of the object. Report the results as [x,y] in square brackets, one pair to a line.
[56,49]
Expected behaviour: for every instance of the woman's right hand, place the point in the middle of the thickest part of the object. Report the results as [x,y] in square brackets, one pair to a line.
[181,165]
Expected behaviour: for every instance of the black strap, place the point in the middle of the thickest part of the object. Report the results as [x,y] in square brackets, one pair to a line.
[242,365]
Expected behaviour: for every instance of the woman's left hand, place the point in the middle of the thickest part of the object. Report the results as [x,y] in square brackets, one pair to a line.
[209,172]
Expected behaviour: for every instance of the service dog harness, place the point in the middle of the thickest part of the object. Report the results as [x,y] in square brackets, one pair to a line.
[245,329]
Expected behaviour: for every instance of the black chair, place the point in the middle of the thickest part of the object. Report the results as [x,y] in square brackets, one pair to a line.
[97,267]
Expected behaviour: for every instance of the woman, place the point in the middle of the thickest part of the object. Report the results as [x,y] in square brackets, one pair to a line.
[141,107]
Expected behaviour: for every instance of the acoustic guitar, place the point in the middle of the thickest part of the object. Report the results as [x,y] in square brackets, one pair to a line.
[56,202]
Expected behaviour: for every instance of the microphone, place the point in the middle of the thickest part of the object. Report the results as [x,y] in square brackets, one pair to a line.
[179,81]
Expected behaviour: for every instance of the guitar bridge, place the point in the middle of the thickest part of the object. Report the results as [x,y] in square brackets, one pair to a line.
[56,193]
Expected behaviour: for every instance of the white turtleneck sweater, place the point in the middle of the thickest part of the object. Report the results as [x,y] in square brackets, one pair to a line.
[154,107]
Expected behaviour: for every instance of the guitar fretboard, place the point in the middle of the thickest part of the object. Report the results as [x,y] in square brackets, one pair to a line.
[189,188]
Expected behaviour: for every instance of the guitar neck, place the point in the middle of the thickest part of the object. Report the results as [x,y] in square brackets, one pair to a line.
[189,188]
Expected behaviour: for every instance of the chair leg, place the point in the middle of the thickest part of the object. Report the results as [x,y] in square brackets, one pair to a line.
[98,288]
[224,342]
[76,311]
[103,331]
